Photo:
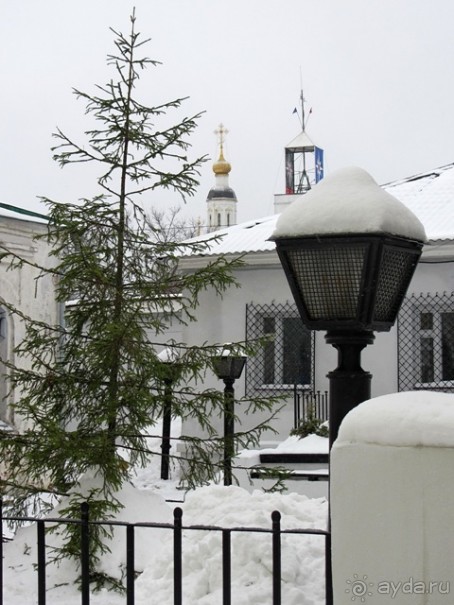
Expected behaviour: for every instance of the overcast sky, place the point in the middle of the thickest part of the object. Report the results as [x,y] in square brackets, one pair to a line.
[378,75]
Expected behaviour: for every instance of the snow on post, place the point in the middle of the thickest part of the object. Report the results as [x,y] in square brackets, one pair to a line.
[392,501]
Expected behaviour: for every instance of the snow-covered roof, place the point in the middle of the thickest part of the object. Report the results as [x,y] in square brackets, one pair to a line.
[251,236]
[302,140]
[429,195]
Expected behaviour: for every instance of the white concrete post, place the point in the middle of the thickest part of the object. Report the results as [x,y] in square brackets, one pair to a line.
[392,501]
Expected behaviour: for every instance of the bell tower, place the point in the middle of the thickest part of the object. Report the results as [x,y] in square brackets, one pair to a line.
[221,200]
[303,164]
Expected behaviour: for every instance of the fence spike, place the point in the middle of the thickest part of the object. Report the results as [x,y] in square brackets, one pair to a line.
[177,556]
[276,526]
[85,553]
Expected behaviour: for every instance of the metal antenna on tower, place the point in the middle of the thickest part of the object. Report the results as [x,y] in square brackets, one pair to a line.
[303,115]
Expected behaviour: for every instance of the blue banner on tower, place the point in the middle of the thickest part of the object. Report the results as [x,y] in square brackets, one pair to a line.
[318,164]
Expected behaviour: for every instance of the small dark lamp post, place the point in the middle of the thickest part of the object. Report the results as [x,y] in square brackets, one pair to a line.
[170,374]
[228,367]
[348,269]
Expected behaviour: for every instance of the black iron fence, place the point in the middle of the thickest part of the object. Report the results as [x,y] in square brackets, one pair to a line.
[306,404]
[275,531]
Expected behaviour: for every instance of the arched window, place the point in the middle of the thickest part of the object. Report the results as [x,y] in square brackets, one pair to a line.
[228,219]
[219,219]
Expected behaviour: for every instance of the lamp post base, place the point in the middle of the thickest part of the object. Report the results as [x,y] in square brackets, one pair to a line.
[349,383]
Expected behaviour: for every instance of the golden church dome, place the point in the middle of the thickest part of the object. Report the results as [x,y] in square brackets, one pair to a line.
[221,166]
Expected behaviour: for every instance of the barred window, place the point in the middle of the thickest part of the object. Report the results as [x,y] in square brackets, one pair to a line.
[286,358]
[426,343]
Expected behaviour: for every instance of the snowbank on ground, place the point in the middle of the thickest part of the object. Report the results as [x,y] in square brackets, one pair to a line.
[302,556]
[20,555]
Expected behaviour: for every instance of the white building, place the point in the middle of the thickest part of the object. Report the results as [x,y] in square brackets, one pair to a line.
[418,353]
[21,288]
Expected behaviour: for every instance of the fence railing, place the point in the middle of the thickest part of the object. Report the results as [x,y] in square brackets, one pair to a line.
[176,528]
[304,402]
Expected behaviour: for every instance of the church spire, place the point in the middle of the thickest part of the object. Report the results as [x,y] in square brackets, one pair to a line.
[221,166]
[221,200]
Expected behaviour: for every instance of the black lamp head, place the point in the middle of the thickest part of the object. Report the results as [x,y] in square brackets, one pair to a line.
[349,250]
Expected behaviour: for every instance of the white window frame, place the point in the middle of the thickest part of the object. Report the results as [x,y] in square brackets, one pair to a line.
[277,312]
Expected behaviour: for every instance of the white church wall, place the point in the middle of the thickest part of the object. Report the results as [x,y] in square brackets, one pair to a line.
[21,287]
[222,320]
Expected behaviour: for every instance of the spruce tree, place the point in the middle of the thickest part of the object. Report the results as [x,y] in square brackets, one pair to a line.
[92,385]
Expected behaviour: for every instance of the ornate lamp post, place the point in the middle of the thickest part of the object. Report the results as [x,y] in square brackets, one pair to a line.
[171,372]
[349,251]
[228,367]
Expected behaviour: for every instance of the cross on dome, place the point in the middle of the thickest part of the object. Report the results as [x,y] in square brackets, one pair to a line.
[221,131]
[221,166]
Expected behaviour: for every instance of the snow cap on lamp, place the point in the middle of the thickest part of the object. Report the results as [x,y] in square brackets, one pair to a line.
[346,202]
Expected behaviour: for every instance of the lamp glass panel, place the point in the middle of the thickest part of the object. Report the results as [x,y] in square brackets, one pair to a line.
[237,366]
[396,272]
[228,366]
[329,279]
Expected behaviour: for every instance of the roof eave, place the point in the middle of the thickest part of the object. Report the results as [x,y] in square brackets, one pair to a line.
[438,250]
[264,258]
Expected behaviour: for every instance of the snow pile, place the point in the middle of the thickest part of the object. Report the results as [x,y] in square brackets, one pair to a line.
[412,418]
[20,555]
[348,201]
[312,444]
[302,556]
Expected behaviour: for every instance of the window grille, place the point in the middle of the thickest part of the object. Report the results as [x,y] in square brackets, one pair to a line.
[286,359]
[426,342]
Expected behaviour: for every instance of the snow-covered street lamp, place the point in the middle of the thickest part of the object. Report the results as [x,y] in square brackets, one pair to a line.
[228,366]
[349,250]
